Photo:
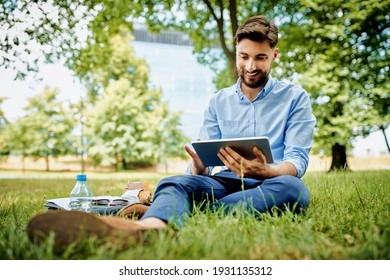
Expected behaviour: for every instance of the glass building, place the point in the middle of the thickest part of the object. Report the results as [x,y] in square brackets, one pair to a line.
[186,84]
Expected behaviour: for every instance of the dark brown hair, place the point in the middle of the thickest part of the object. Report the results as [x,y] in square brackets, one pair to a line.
[258,28]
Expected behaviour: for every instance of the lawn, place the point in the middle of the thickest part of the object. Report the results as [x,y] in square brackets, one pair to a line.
[348,218]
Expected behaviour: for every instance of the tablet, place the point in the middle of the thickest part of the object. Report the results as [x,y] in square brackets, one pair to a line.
[208,149]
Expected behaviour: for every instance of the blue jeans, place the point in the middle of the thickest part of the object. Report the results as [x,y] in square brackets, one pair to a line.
[175,196]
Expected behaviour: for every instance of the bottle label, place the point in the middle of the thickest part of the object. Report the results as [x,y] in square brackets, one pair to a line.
[81,204]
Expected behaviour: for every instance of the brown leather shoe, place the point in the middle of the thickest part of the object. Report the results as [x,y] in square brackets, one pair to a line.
[75,226]
[134,211]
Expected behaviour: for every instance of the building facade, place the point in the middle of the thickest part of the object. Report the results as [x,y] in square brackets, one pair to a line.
[186,84]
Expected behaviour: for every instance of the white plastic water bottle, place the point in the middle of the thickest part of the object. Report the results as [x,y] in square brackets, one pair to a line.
[81,195]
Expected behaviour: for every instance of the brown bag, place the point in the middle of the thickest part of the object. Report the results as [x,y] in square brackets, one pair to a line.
[145,195]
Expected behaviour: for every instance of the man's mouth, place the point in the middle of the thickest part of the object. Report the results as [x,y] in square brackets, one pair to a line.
[252,74]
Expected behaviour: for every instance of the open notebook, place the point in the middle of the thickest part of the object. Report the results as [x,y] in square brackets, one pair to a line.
[105,205]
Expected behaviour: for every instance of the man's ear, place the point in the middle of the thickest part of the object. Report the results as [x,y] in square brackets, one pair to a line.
[276,51]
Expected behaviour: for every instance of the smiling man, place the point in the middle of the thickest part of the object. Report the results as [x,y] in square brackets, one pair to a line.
[254,59]
[257,105]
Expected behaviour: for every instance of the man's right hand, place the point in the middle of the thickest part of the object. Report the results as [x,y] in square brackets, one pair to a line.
[197,166]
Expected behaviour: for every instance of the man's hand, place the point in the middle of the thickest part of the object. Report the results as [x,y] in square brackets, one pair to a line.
[197,166]
[255,168]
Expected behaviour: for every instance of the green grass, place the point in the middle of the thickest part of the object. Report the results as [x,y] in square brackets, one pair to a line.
[348,218]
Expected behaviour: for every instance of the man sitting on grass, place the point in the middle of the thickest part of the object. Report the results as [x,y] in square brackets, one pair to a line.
[257,105]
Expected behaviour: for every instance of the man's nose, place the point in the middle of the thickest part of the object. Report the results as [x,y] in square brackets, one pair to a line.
[250,65]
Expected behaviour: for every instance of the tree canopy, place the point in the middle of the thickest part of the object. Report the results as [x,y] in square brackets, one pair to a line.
[128,121]
[339,50]
[45,131]
[343,56]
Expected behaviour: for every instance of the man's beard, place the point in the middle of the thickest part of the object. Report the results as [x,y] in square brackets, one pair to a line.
[255,83]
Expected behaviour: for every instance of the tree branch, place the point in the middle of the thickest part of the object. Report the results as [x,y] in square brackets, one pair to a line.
[233,16]
[229,54]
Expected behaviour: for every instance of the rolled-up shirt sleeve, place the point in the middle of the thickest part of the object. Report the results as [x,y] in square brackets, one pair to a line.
[299,134]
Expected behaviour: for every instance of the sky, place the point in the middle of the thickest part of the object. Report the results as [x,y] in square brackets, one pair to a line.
[58,76]
[17,92]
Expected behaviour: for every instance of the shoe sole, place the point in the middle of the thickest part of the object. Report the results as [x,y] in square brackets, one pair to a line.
[70,227]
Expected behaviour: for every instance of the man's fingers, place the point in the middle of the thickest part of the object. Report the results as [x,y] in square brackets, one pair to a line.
[231,159]
[233,154]
[196,161]
[259,154]
[189,151]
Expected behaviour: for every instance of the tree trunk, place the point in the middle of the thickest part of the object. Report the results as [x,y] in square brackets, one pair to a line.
[384,135]
[339,158]
[47,163]
[229,53]
[117,162]
[23,164]
[125,165]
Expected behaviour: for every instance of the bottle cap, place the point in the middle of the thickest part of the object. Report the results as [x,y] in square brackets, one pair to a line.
[81,177]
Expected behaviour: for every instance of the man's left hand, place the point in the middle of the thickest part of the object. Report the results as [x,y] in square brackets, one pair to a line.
[254,168]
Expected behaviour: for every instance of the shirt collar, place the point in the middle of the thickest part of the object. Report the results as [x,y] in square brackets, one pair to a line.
[263,93]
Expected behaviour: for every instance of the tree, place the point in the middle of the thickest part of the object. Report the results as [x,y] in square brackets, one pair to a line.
[33,32]
[168,142]
[343,55]
[56,25]
[212,24]
[128,122]
[19,138]
[45,130]
[331,43]
[102,68]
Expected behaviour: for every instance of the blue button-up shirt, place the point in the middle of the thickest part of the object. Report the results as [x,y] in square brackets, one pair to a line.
[281,111]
